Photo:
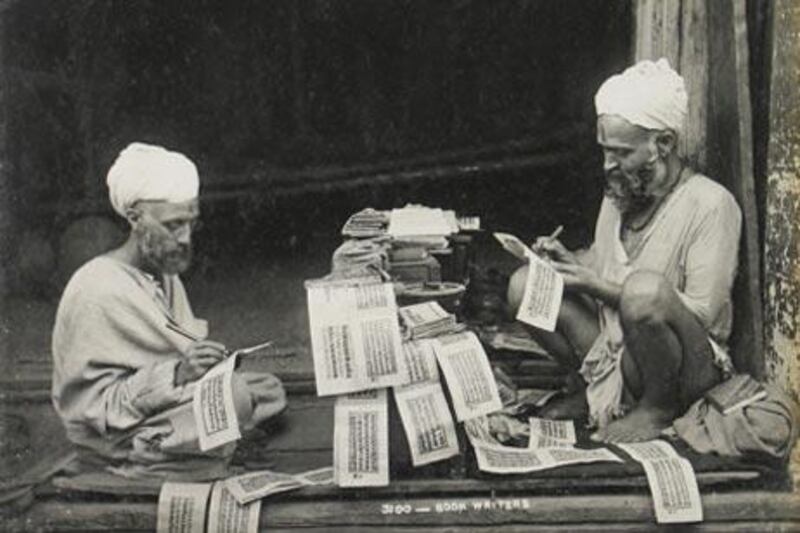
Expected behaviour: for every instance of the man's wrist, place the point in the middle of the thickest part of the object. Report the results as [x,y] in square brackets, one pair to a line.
[179,378]
[592,286]
[604,291]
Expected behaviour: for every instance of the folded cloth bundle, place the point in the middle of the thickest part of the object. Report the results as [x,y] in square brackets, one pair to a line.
[765,428]
[359,253]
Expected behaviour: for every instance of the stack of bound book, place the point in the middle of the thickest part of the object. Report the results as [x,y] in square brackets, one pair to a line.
[739,391]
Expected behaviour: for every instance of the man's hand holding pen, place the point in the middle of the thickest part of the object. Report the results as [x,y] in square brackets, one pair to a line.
[199,357]
[202,354]
[577,276]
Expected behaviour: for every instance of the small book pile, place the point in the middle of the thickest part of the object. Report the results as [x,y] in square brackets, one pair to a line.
[428,319]
[737,392]
[366,223]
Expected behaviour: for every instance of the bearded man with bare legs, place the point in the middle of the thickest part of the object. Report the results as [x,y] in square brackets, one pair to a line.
[647,310]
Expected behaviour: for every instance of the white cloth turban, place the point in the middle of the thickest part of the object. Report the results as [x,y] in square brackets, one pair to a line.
[148,172]
[649,94]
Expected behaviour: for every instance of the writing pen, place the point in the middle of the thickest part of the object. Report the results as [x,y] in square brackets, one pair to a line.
[553,236]
[537,246]
[172,326]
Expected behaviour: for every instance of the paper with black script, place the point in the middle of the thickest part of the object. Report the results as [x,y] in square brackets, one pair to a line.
[427,421]
[355,337]
[182,507]
[469,376]
[214,411]
[676,497]
[226,515]
[361,439]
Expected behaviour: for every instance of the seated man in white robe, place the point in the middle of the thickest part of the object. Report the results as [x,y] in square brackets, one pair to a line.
[122,380]
[647,312]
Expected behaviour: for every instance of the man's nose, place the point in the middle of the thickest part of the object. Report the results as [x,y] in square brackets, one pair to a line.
[609,162]
[184,234]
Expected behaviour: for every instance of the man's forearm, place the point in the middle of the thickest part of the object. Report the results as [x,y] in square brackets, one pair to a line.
[605,291]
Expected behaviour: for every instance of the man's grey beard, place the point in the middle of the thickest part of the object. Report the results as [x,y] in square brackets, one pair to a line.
[159,259]
[633,197]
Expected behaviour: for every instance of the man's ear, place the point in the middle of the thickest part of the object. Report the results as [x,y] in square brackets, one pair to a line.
[666,142]
[133,214]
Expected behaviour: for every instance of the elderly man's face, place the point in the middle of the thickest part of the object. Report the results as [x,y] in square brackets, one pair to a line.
[164,234]
[632,165]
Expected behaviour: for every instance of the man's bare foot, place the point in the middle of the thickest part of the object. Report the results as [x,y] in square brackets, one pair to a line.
[570,407]
[641,424]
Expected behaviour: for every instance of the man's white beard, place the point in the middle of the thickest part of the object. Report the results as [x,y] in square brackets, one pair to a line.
[634,197]
[174,261]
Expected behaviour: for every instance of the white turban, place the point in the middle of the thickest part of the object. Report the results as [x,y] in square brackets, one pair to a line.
[649,94]
[148,172]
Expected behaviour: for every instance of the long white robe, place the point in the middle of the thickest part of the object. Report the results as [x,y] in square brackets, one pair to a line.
[114,371]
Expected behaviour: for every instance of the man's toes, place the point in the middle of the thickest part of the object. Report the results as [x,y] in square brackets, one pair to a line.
[616,433]
[599,436]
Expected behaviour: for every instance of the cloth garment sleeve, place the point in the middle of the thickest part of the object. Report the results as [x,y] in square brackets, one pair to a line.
[711,261]
[117,387]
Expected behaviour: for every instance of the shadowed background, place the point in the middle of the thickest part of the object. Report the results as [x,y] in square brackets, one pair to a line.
[297,113]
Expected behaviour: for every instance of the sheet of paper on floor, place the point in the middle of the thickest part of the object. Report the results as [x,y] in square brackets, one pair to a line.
[427,422]
[256,485]
[212,403]
[469,376]
[673,485]
[226,515]
[319,476]
[361,439]
[182,507]
[521,460]
[546,433]
[495,457]
[479,435]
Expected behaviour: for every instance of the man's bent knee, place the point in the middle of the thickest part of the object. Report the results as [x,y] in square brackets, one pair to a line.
[646,298]
[242,399]
[516,288]
[268,394]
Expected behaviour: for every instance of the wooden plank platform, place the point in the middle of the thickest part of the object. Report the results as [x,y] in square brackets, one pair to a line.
[743,511]
[451,495]
[448,495]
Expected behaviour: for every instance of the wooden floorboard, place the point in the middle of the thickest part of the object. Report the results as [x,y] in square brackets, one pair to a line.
[747,509]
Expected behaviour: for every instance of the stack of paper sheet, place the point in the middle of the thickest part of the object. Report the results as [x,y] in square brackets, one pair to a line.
[415,221]
[427,319]
[366,223]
